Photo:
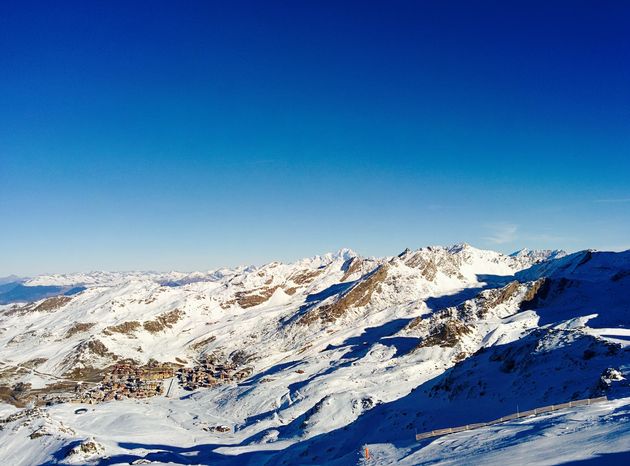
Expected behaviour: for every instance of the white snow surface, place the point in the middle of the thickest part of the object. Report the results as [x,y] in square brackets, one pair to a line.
[445,336]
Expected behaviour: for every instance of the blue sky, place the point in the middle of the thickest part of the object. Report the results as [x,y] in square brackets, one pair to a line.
[191,135]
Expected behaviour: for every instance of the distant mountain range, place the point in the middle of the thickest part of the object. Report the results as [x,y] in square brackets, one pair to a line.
[311,362]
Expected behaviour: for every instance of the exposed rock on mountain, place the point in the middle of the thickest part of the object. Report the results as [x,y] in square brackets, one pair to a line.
[357,296]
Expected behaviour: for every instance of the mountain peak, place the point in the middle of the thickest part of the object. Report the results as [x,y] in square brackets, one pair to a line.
[539,255]
[344,253]
[459,247]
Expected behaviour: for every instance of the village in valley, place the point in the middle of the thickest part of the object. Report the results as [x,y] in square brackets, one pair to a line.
[128,379]
[153,379]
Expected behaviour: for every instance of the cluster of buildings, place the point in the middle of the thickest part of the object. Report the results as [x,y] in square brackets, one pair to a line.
[129,381]
[132,381]
[209,373]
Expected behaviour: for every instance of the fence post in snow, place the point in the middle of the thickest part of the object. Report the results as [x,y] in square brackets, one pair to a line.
[543,409]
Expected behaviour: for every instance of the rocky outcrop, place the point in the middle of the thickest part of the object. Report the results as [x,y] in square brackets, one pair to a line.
[536,293]
[490,299]
[87,359]
[305,277]
[79,327]
[247,299]
[251,298]
[446,334]
[96,347]
[163,321]
[126,328]
[545,366]
[47,305]
[447,327]
[429,261]
[350,267]
[201,344]
[52,304]
[32,363]
[359,295]
[86,449]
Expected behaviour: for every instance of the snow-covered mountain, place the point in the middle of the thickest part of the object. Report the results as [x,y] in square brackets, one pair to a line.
[309,362]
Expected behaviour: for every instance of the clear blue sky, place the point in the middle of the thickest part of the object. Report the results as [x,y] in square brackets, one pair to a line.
[190,135]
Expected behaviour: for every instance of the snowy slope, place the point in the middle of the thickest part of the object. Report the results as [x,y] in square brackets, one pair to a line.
[343,351]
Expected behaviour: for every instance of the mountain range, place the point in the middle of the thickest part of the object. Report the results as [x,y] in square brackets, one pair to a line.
[335,359]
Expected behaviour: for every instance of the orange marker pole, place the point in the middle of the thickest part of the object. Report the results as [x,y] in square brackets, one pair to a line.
[367,453]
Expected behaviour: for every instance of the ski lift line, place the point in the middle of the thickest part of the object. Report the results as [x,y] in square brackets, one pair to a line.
[517,415]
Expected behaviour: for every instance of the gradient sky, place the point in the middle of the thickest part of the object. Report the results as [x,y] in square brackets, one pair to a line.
[191,135]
